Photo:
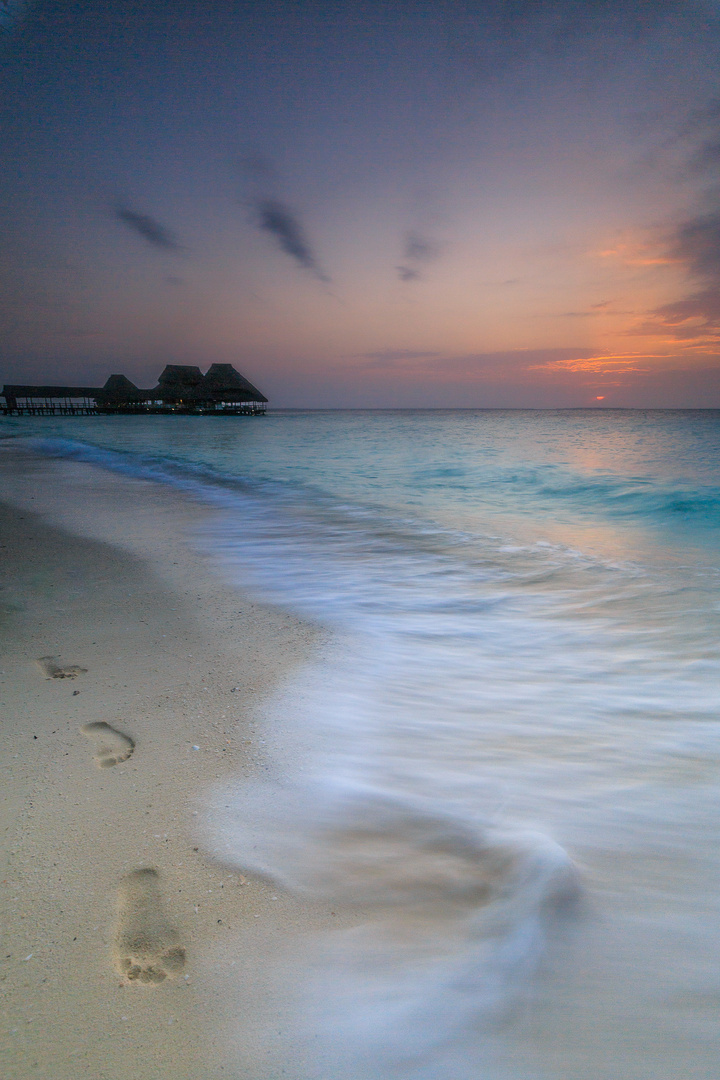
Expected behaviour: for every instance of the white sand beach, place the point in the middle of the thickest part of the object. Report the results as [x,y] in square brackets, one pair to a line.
[121,934]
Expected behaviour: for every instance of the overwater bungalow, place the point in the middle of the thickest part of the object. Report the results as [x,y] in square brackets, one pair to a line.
[181,389]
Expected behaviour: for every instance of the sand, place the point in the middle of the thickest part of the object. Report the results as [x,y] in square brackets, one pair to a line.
[132,681]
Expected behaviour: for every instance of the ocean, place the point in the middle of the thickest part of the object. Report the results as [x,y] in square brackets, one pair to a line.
[507,762]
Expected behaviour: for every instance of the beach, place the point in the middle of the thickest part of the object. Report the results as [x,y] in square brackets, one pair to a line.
[98,574]
[361,746]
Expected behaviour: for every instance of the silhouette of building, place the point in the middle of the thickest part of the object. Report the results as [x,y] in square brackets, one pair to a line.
[181,389]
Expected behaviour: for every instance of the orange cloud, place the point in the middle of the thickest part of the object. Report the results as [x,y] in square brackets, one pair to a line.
[618,364]
[636,253]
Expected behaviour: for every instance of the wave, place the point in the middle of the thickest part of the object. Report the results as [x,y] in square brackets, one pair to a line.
[550,487]
[545,491]
[634,497]
[450,916]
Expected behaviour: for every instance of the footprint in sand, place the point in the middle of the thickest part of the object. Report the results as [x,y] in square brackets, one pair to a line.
[147,946]
[51,670]
[111,746]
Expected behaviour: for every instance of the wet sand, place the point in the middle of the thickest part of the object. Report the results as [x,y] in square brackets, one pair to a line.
[132,680]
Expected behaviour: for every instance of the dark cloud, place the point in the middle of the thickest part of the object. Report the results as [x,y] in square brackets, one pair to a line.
[420,248]
[694,317]
[697,316]
[146,227]
[272,214]
[697,244]
[274,217]
[418,251]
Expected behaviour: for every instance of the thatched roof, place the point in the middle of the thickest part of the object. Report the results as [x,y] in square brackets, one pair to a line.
[180,375]
[119,390]
[179,382]
[226,384]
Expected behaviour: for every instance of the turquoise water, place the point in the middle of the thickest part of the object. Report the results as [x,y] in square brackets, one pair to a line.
[513,762]
[572,468]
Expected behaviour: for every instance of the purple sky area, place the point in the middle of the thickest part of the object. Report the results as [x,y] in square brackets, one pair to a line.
[449,203]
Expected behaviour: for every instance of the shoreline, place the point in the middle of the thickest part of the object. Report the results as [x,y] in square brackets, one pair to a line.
[99,574]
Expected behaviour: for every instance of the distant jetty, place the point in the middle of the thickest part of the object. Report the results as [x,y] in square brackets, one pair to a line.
[181,390]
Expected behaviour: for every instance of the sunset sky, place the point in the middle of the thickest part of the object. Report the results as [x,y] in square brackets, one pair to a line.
[449,203]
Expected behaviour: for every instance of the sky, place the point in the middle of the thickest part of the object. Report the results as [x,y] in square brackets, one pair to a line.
[450,203]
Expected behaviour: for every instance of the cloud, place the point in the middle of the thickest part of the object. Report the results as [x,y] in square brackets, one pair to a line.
[511,363]
[274,217]
[594,311]
[517,361]
[418,251]
[609,364]
[407,273]
[701,307]
[697,244]
[390,357]
[146,227]
[694,318]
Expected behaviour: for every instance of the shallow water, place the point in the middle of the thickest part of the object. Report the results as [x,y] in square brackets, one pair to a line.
[523,694]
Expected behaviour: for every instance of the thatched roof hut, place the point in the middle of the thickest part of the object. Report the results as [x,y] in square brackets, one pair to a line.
[185,384]
[179,383]
[223,383]
[118,391]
